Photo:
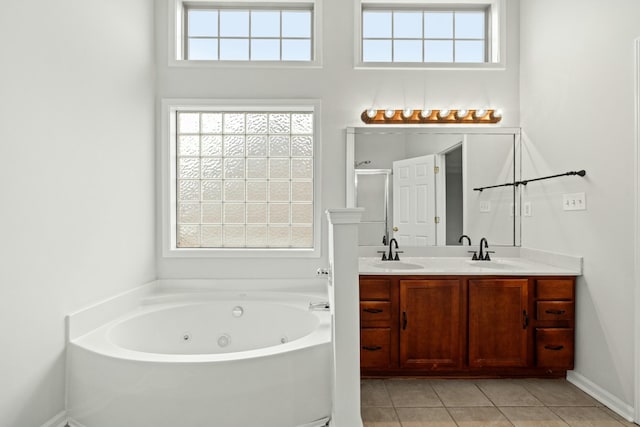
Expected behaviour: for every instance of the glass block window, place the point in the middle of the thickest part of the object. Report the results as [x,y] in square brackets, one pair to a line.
[244,179]
[424,36]
[248,34]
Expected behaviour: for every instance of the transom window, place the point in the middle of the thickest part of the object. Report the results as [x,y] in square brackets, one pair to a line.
[249,34]
[244,179]
[425,35]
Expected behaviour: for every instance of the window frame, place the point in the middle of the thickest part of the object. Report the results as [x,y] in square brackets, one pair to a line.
[168,172]
[495,32]
[178,36]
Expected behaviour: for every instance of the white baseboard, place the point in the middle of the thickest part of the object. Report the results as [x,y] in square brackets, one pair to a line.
[58,420]
[623,409]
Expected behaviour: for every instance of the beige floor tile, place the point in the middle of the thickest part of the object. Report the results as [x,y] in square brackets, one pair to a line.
[379,417]
[532,416]
[507,393]
[460,393]
[412,393]
[479,417]
[585,417]
[558,393]
[425,417]
[374,393]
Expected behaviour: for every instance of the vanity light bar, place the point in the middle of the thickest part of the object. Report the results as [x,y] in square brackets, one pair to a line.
[461,116]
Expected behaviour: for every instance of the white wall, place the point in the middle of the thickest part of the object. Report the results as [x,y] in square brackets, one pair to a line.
[76,180]
[344,92]
[481,170]
[577,109]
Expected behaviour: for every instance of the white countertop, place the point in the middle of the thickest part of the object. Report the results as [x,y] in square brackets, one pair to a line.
[441,265]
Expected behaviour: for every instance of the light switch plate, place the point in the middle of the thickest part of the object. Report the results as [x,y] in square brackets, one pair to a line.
[526,209]
[485,206]
[574,202]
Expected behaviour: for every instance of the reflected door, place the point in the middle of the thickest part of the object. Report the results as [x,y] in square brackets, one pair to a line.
[414,199]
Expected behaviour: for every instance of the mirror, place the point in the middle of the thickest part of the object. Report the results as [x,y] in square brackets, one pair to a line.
[420,185]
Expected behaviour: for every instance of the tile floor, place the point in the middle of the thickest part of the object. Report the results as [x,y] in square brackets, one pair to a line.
[481,403]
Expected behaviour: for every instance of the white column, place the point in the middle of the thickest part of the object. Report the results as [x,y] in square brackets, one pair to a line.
[345,310]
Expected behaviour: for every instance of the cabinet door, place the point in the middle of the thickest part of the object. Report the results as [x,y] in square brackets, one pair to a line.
[430,324]
[498,322]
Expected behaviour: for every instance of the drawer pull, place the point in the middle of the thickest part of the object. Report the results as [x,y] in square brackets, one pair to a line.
[554,347]
[376,348]
[372,310]
[557,312]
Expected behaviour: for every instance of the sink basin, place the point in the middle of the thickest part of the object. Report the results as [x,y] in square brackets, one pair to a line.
[495,265]
[397,265]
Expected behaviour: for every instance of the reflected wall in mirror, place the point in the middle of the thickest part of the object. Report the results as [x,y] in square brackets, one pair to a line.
[416,184]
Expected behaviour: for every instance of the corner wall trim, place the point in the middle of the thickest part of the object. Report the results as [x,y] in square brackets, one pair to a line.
[58,420]
[603,396]
[637,231]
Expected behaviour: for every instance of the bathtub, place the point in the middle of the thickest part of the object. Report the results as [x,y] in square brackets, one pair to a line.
[221,360]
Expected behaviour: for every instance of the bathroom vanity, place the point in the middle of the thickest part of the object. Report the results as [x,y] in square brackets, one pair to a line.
[437,311]
[452,317]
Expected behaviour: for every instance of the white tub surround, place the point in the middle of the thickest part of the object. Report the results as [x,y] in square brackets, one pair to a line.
[200,356]
[345,303]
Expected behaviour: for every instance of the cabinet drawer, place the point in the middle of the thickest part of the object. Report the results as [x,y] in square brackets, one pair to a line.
[554,348]
[375,347]
[554,310]
[554,289]
[375,289]
[375,311]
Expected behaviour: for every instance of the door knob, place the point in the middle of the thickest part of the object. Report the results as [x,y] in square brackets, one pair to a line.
[395,228]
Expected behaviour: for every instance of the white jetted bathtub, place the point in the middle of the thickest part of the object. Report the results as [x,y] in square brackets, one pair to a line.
[237,360]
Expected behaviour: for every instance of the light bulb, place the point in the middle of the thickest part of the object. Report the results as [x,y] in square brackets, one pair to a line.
[443,113]
[497,114]
[480,113]
[389,113]
[461,114]
[407,113]
[371,113]
[425,113]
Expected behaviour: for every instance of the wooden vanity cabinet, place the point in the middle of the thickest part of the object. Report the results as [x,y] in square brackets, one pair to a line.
[378,317]
[431,324]
[555,322]
[460,326]
[498,322]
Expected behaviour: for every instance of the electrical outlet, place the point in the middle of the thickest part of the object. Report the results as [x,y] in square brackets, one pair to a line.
[574,202]
[485,206]
[526,209]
